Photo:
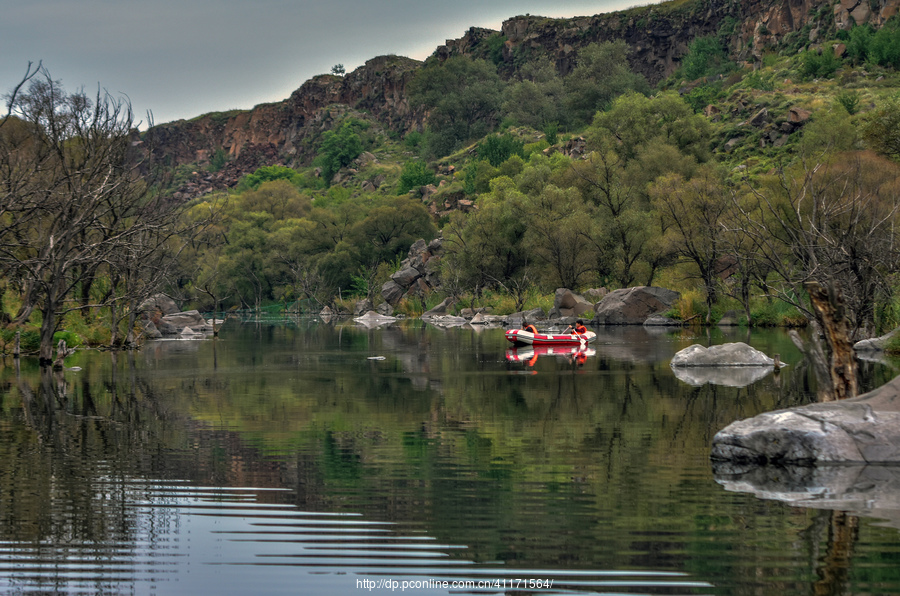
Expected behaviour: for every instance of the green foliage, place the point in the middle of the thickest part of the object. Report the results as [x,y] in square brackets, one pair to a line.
[494,48]
[73,340]
[339,148]
[881,48]
[703,95]
[218,160]
[602,74]
[539,98]
[882,128]
[29,340]
[415,174]
[463,98]
[849,99]
[776,313]
[477,177]
[268,174]
[884,49]
[413,139]
[706,57]
[858,44]
[551,133]
[496,149]
[635,121]
[756,80]
[819,64]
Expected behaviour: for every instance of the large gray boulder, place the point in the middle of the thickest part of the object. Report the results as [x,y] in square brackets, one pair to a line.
[632,306]
[567,303]
[175,323]
[362,307]
[406,276]
[731,354]
[160,303]
[392,292]
[440,309]
[419,272]
[865,429]
[373,319]
[535,314]
[876,344]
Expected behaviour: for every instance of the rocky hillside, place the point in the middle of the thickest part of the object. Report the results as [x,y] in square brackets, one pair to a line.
[284,132]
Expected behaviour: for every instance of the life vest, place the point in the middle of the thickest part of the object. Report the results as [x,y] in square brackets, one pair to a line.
[530,329]
[580,329]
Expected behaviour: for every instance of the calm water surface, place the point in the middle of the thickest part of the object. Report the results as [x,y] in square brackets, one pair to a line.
[299,457]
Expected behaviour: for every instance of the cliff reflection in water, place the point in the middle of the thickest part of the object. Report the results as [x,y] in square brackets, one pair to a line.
[278,423]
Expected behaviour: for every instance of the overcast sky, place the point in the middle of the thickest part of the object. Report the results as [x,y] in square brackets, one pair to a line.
[183,58]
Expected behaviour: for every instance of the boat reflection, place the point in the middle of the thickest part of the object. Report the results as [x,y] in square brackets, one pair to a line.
[530,354]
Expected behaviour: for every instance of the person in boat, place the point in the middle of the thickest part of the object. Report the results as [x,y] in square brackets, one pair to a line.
[579,328]
[529,328]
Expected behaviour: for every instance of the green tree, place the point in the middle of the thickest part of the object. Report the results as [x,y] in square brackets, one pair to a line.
[277,197]
[415,173]
[539,99]
[635,121]
[462,98]
[390,226]
[339,148]
[268,174]
[694,213]
[706,57]
[488,245]
[623,230]
[884,46]
[497,148]
[820,64]
[601,75]
[882,128]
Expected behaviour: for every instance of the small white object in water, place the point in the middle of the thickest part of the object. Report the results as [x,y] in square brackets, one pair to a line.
[376,358]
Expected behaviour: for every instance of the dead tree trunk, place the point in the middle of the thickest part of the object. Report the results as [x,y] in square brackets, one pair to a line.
[828,305]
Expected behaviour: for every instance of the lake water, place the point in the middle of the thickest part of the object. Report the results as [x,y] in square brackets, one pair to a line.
[299,457]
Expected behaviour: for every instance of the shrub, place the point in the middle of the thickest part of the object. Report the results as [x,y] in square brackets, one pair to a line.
[849,100]
[415,174]
[217,161]
[776,314]
[339,148]
[551,132]
[819,65]
[267,174]
[706,57]
[496,149]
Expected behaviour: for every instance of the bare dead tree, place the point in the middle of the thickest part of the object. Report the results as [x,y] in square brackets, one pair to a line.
[826,228]
[74,202]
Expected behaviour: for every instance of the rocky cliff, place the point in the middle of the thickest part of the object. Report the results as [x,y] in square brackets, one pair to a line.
[282,133]
[279,133]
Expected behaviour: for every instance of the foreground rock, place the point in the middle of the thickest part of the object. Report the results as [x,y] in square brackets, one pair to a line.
[876,344]
[732,354]
[373,319]
[159,304]
[865,429]
[633,306]
[568,304]
[176,323]
[419,272]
